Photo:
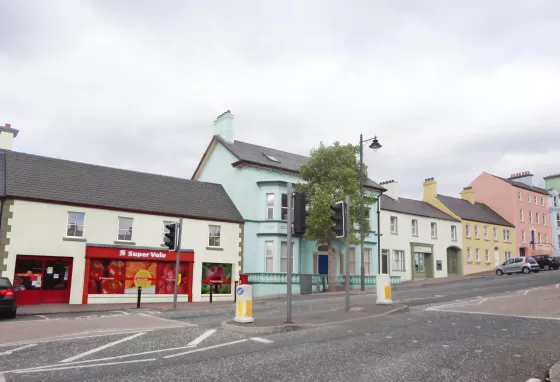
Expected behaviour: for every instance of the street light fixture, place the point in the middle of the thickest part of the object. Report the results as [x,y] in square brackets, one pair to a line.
[375,145]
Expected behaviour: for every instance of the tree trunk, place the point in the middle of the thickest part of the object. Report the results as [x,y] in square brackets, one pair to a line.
[332,266]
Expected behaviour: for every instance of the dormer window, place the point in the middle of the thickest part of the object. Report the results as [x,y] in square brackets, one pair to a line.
[271,158]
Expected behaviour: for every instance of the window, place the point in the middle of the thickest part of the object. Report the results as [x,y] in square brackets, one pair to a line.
[284,257]
[125,229]
[352,261]
[538,218]
[269,206]
[419,262]
[477,251]
[555,201]
[486,232]
[508,255]
[495,234]
[546,238]
[454,232]
[414,227]
[269,260]
[558,220]
[75,224]
[214,235]
[487,255]
[434,230]
[476,231]
[367,261]
[394,225]
[528,198]
[521,215]
[542,201]
[519,195]
[544,219]
[507,235]
[469,254]
[398,260]
[367,214]
[530,216]
[165,230]
[539,235]
[536,199]
[523,236]
[271,158]
[284,212]
[467,230]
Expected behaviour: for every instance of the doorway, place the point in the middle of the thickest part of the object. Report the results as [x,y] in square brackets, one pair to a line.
[521,252]
[385,262]
[452,264]
[323,264]
[496,256]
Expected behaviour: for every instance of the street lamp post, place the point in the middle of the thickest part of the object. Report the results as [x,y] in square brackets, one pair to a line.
[375,145]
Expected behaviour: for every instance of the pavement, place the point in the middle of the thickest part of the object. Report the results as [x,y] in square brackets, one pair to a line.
[442,337]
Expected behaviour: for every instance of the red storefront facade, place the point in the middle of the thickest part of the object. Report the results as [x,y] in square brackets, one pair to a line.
[117,272]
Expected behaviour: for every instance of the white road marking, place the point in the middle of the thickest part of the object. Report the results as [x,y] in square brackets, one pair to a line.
[202,337]
[445,346]
[505,330]
[557,285]
[414,341]
[16,349]
[102,347]
[478,327]
[165,319]
[481,301]
[264,340]
[534,380]
[516,355]
[2,379]
[40,315]
[389,337]
[206,348]
[478,351]
[25,371]
[525,294]
[123,312]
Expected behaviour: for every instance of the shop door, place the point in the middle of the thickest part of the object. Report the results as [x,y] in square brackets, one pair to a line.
[56,282]
[323,264]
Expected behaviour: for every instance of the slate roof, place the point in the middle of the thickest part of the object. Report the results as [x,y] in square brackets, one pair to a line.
[33,177]
[247,152]
[523,185]
[413,207]
[477,212]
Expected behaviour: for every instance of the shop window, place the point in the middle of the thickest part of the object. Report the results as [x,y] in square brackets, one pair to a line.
[29,274]
[216,276]
[214,236]
[125,229]
[75,224]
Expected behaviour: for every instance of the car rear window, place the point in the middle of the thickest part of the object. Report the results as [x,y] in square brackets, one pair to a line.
[531,260]
[4,283]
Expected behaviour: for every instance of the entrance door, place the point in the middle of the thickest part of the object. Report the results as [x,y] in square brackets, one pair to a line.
[419,265]
[56,282]
[452,268]
[385,262]
[496,257]
[521,252]
[323,264]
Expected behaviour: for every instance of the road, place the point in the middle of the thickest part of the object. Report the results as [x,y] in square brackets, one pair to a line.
[444,337]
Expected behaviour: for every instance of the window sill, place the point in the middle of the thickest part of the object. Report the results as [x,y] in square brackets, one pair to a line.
[478,262]
[454,240]
[477,238]
[214,248]
[469,261]
[71,238]
[486,239]
[124,242]
[394,233]
[435,238]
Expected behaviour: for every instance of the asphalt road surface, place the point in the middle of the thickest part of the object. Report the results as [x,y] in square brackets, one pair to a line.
[429,343]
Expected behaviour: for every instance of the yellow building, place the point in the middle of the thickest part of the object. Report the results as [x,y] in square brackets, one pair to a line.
[488,238]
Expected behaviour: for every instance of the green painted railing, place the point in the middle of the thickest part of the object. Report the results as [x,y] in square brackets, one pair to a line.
[282,278]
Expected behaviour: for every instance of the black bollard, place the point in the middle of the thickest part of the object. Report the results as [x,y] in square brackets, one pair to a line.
[235,292]
[211,287]
[139,297]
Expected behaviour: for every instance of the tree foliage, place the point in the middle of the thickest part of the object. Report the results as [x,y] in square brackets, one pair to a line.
[330,175]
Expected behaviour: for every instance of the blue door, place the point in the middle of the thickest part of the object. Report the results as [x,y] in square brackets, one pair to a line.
[323,264]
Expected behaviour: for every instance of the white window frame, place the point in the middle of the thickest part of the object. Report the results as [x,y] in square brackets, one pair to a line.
[476,233]
[119,229]
[522,215]
[399,261]
[414,227]
[537,215]
[544,220]
[555,200]
[531,217]
[539,236]
[542,201]
[485,232]
[282,208]
[528,198]
[352,260]
[70,223]
[508,255]
[467,230]
[477,255]
[495,232]
[269,255]
[523,236]
[558,219]
[218,237]
[284,258]
[469,254]
[367,261]
[519,197]
[454,233]
[395,225]
[269,214]
[536,200]
[433,230]
[546,238]
[487,255]
[507,235]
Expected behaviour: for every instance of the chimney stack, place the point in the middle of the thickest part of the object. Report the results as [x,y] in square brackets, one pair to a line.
[468,194]
[430,189]
[392,188]
[7,135]
[524,177]
[223,126]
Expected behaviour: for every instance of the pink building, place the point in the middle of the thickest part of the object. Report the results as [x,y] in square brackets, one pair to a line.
[521,203]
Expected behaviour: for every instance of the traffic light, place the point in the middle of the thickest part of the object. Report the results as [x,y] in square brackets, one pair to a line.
[300,214]
[339,220]
[170,239]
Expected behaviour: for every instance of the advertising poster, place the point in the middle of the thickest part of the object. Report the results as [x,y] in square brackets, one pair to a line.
[216,276]
[140,273]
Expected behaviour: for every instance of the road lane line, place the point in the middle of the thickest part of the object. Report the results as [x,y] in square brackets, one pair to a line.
[525,294]
[206,348]
[263,340]
[102,347]
[166,319]
[2,379]
[202,337]
[40,315]
[25,371]
[16,349]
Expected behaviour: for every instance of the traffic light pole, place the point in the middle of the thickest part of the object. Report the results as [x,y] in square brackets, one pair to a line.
[290,260]
[347,258]
[177,263]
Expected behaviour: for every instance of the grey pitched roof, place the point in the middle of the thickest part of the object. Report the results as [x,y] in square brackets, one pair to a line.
[523,185]
[477,212]
[413,207]
[248,152]
[34,177]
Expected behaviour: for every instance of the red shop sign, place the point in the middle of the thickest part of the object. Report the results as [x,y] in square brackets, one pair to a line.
[124,253]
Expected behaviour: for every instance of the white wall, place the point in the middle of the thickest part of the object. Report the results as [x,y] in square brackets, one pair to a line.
[39,229]
[402,240]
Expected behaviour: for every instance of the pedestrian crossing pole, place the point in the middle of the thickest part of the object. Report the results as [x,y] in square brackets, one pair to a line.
[290,254]
[177,263]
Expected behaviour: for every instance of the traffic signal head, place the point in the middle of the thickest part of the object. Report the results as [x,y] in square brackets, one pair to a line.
[300,214]
[339,228]
[170,238]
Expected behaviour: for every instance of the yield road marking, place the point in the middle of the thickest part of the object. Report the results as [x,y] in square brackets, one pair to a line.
[263,340]
[202,337]
[24,371]
[102,347]
[16,349]
[206,348]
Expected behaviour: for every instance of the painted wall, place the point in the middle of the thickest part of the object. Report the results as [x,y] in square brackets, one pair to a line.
[508,201]
[403,239]
[39,229]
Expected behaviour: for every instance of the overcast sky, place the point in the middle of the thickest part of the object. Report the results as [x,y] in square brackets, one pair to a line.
[451,88]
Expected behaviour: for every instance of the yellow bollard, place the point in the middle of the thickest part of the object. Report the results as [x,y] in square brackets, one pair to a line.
[383,282]
[244,305]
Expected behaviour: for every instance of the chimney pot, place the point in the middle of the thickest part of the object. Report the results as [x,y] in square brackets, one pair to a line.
[8,126]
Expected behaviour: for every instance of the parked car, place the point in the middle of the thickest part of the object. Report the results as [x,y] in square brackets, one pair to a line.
[547,262]
[8,300]
[518,265]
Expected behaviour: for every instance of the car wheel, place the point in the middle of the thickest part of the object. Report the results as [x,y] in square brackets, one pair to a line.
[499,272]
[526,270]
[546,267]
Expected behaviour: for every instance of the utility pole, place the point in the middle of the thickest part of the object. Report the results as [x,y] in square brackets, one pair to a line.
[290,261]
[177,262]
[362,260]
[347,258]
